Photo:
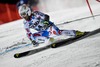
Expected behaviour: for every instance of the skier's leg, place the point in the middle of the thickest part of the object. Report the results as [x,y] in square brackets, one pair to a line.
[56,31]
[40,37]
[53,30]
[72,33]
[68,32]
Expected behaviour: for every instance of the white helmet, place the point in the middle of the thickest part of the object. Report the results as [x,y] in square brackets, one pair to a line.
[24,11]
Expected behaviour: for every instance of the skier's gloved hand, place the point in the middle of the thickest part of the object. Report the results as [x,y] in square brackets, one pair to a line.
[45,23]
[34,43]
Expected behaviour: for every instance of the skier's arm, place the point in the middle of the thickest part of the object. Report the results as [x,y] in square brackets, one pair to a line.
[29,34]
[42,16]
[46,17]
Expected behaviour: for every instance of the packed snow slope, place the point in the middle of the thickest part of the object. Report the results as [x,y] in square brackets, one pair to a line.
[83,53]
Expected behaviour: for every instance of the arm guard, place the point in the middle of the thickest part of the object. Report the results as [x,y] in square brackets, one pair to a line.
[46,17]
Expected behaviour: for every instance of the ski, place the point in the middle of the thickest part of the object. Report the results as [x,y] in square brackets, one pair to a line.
[56,44]
[71,40]
[30,52]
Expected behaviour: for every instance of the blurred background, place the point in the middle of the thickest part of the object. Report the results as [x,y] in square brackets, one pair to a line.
[9,8]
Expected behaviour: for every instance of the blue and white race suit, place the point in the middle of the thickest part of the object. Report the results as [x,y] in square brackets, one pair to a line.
[46,29]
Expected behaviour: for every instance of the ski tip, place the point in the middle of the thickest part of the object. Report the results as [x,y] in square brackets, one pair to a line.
[16,55]
[53,45]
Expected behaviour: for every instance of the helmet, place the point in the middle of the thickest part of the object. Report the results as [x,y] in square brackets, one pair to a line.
[24,11]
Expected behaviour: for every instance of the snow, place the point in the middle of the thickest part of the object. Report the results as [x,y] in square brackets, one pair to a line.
[83,53]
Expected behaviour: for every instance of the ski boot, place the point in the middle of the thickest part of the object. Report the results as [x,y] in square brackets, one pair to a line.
[79,33]
[35,44]
[51,39]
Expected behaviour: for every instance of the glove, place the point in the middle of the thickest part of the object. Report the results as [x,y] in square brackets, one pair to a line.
[35,43]
[46,24]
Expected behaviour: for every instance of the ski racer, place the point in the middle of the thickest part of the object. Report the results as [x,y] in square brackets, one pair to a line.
[44,27]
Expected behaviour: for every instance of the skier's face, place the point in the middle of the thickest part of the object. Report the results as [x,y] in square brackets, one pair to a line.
[24,15]
[26,18]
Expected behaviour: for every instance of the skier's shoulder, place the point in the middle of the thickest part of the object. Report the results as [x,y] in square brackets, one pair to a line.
[38,13]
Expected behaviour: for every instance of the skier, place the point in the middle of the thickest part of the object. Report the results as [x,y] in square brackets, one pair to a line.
[45,28]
